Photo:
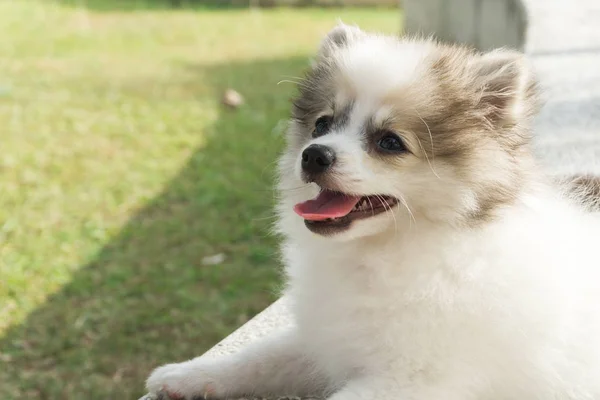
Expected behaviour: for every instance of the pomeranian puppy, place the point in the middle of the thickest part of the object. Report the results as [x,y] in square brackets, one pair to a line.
[427,256]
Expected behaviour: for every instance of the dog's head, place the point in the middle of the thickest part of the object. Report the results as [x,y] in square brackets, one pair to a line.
[385,127]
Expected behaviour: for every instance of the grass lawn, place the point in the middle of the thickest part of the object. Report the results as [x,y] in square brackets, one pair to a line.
[120,171]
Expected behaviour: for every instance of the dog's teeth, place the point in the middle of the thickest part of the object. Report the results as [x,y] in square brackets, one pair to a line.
[359,205]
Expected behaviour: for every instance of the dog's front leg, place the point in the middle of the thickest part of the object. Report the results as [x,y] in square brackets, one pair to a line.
[276,365]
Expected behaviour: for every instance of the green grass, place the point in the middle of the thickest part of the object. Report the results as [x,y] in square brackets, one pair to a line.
[120,171]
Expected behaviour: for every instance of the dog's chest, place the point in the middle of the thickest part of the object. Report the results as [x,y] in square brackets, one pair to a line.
[357,311]
[352,318]
[343,333]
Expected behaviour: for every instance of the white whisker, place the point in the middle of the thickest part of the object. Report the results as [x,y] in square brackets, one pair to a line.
[423,149]
[294,188]
[388,209]
[372,208]
[270,217]
[405,204]
[289,81]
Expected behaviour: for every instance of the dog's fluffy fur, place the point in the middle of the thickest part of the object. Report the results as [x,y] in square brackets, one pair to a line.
[483,282]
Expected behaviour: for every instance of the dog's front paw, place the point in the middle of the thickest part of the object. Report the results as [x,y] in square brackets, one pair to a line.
[184,381]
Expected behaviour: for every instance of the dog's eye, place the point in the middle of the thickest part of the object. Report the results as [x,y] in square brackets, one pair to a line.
[391,143]
[322,126]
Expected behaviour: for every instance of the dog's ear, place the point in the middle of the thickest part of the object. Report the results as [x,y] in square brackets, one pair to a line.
[507,86]
[340,36]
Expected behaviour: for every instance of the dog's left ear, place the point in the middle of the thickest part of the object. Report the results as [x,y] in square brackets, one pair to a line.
[340,36]
[507,86]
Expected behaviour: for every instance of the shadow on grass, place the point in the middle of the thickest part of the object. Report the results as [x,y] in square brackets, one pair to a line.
[146,298]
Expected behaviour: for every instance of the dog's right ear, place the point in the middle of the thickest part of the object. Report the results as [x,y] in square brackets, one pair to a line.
[340,36]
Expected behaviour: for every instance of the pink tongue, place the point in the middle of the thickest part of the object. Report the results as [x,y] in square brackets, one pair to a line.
[327,204]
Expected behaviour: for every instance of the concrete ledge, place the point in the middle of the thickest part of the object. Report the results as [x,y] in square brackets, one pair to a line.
[274,317]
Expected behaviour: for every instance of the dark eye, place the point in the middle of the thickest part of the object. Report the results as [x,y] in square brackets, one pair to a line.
[391,143]
[322,126]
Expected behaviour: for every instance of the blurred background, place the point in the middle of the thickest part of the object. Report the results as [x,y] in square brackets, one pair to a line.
[138,140]
[135,206]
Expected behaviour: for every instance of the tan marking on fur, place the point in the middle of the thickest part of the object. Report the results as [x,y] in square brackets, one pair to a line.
[586,190]
[467,119]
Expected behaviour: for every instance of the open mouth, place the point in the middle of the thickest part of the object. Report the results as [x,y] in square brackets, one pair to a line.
[333,211]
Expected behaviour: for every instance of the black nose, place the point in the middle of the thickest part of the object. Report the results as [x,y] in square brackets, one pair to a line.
[317,158]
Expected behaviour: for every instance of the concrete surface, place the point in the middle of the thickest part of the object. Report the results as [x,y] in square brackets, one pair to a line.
[564,46]
[484,24]
[272,318]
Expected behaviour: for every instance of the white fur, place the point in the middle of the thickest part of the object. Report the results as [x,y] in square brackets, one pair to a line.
[404,307]
[362,64]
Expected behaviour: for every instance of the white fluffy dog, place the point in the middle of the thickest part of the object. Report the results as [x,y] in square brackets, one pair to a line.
[427,256]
